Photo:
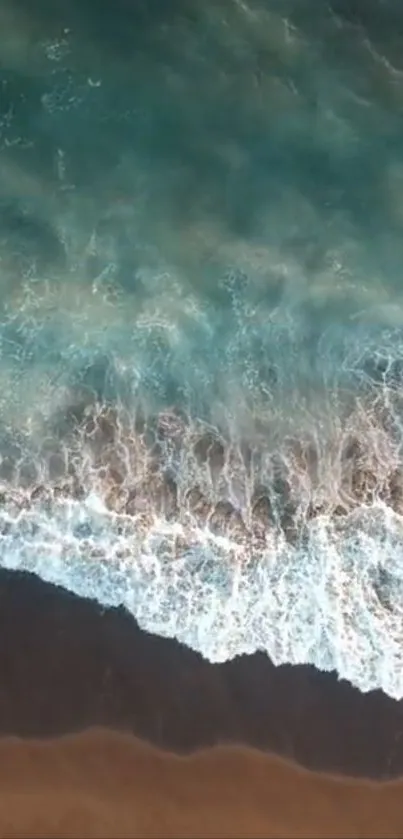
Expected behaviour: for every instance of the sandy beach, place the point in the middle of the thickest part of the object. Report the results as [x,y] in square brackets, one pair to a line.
[197,753]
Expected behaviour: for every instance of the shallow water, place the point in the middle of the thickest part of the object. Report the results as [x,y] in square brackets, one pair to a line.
[200,233]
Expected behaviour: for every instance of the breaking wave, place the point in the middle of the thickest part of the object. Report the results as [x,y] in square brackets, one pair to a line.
[277,528]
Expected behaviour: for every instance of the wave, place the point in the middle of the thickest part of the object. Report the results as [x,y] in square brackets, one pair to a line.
[288,544]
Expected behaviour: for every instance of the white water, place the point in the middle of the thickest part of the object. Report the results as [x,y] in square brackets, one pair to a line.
[315,604]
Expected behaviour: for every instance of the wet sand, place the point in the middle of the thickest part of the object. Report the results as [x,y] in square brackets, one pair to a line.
[66,665]
[102,784]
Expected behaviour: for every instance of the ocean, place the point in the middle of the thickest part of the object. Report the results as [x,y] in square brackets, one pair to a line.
[201,320]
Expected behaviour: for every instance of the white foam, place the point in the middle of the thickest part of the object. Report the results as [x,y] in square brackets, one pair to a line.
[316,603]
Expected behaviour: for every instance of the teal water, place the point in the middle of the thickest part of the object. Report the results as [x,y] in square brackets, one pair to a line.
[201,319]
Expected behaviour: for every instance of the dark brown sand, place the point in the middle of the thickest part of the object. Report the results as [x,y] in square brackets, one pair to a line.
[101,784]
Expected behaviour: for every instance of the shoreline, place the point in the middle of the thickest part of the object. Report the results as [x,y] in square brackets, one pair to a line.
[68,664]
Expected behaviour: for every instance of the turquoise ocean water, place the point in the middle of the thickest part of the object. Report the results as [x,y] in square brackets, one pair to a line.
[201,319]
